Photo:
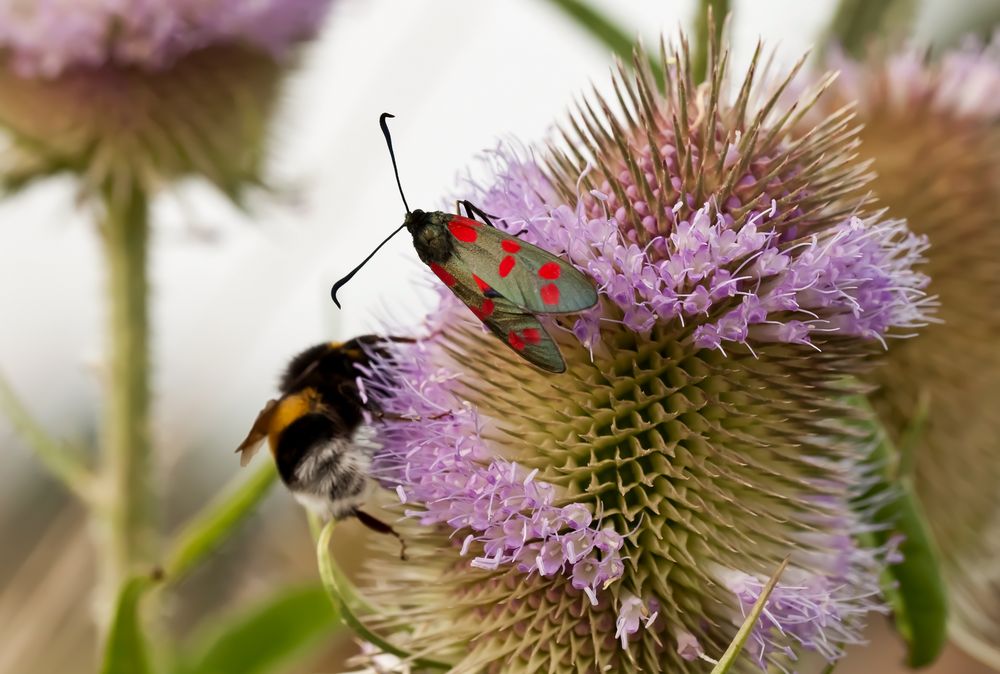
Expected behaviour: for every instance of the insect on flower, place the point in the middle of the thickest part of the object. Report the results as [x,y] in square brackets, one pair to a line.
[317,432]
[503,280]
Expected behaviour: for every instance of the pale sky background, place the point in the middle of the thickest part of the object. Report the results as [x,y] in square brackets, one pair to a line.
[234,297]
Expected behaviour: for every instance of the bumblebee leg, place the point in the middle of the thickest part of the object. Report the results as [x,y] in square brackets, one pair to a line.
[390,416]
[377,525]
[398,340]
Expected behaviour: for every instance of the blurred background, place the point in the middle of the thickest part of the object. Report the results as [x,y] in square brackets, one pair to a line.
[235,294]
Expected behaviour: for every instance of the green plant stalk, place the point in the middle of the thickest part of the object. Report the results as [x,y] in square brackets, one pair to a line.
[708,24]
[126,650]
[830,667]
[337,589]
[605,30]
[59,458]
[126,514]
[217,521]
[857,22]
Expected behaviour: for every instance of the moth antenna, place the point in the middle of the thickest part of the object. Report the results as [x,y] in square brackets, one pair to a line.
[395,169]
[392,155]
[337,286]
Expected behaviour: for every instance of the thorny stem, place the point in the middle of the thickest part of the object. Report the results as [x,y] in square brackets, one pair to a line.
[126,514]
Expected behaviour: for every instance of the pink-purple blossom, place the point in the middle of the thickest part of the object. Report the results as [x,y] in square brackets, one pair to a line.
[755,281]
[854,279]
[46,38]
[440,463]
[963,83]
[630,509]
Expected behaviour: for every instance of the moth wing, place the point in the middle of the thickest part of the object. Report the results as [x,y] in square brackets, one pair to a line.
[258,433]
[527,275]
[511,324]
[523,333]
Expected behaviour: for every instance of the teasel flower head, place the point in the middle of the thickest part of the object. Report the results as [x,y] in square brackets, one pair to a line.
[626,514]
[932,135]
[144,90]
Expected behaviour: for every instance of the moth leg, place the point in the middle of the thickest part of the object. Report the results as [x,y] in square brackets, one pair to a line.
[471,210]
[378,526]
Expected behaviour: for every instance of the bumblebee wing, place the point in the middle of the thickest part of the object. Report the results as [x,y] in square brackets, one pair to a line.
[528,276]
[258,433]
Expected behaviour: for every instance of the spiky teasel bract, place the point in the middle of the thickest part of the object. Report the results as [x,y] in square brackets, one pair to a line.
[143,90]
[932,133]
[624,515]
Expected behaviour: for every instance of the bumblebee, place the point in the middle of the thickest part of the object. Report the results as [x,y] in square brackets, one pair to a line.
[318,434]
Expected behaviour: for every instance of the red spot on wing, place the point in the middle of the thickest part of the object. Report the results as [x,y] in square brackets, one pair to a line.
[462,232]
[483,285]
[485,310]
[506,265]
[550,270]
[549,293]
[510,245]
[442,274]
[515,341]
[532,335]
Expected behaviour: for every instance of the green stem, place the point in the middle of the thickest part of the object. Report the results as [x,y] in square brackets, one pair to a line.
[339,592]
[858,22]
[831,666]
[607,31]
[58,457]
[127,512]
[217,521]
[708,24]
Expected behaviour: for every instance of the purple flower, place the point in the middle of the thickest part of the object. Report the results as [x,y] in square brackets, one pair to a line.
[510,516]
[932,135]
[624,513]
[46,38]
[144,92]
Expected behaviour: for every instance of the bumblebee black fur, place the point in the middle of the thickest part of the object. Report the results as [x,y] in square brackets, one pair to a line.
[317,432]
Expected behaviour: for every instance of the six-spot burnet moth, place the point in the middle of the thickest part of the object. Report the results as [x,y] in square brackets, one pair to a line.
[503,280]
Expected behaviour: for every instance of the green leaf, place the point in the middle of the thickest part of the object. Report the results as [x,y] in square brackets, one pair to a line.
[342,595]
[606,31]
[728,658]
[125,651]
[217,521]
[914,587]
[266,637]
[919,600]
[857,22]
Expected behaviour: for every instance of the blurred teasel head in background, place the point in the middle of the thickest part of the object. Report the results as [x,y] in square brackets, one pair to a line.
[141,90]
[629,512]
[932,135]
